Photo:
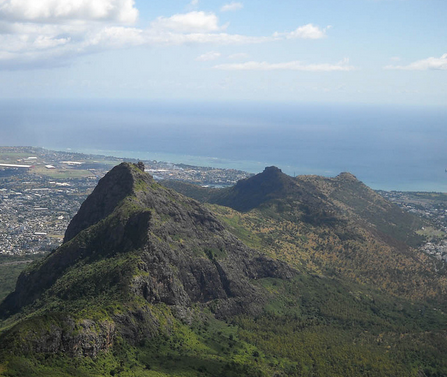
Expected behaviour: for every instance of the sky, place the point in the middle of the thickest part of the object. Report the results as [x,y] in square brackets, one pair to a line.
[324,51]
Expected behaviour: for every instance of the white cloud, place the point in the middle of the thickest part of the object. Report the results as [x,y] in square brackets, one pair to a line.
[33,45]
[54,32]
[212,55]
[191,22]
[116,37]
[288,66]
[31,42]
[56,10]
[231,7]
[423,65]
[308,31]
[239,56]
[153,38]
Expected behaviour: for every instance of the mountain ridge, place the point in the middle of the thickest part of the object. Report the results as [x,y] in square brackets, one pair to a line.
[336,226]
[303,283]
[179,253]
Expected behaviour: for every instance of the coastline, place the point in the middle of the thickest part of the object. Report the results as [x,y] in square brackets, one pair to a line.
[415,185]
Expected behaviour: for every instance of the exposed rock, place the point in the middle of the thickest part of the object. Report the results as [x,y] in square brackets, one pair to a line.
[346,176]
[170,250]
[49,335]
[140,165]
[111,189]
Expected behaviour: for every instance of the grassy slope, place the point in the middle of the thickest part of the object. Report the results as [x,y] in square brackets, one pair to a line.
[315,325]
[346,252]
[330,322]
[312,327]
[362,203]
[10,269]
[208,348]
[337,329]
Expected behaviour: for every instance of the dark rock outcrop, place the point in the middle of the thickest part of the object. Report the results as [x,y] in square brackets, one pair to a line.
[53,334]
[252,192]
[111,189]
[158,246]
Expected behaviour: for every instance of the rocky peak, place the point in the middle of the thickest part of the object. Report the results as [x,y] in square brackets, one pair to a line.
[140,165]
[110,191]
[252,192]
[172,250]
[346,176]
[271,170]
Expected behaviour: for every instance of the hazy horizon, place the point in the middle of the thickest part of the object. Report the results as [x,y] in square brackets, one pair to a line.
[314,87]
[386,147]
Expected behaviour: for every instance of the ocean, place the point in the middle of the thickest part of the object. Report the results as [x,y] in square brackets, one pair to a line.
[386,147]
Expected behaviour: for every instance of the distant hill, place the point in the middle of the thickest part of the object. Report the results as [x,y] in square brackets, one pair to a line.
[331,226]
[134,244]
[150,230]
[304,276]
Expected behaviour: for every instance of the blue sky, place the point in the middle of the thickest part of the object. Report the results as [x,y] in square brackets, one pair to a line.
[349,51]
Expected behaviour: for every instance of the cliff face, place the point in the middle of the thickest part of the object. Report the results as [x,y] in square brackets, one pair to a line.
[150,282]
[110,191]
[257,190]
[335,226]
[133,240]
[316,200]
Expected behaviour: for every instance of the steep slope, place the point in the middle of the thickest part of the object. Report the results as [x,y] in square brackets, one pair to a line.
[361,203]
[253,192]
[270,188]
[111,191]
[150,283]
[334,227]
[134,241]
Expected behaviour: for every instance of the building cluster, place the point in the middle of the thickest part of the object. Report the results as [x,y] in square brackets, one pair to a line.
[35,213]
[437,249]
[39,198]
[431,206]
[204,176]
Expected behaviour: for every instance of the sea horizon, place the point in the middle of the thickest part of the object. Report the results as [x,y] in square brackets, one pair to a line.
[386,147]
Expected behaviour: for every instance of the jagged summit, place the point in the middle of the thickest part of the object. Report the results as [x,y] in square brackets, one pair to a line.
[254,191]
[110,191]
[346,176]
[272,170]
[143,270]
[271,180]
[133,239]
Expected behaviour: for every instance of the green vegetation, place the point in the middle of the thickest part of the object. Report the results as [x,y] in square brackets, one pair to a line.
[203,194]
[112,300]
[327,329]
[206,348]
[9,157]
[61,173]
[431,233]
[10,269]
[333,329]
[8,277]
